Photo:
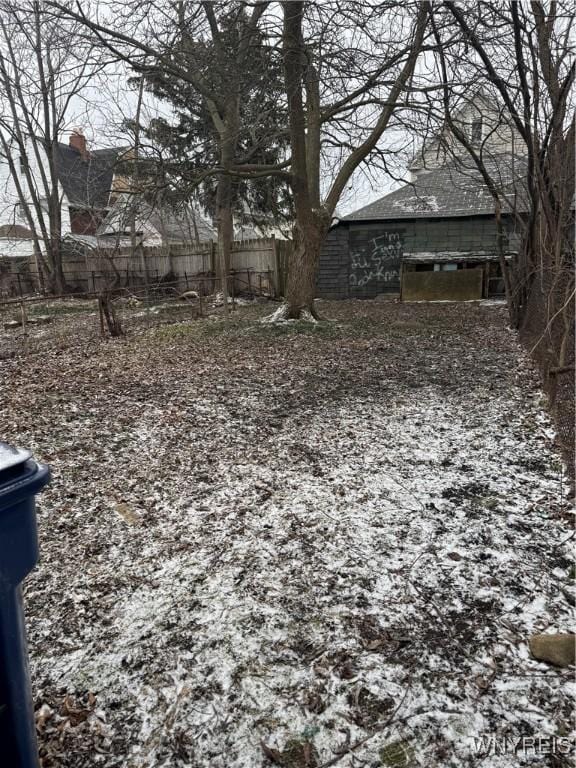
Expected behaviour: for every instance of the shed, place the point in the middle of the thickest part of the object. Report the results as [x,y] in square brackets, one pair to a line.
[442,222]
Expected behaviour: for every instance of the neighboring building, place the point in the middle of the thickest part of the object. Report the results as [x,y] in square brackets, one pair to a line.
[86,179]
[153,224]
[95,208]
[483,124]
[255,227]
[84,184]
[444,222]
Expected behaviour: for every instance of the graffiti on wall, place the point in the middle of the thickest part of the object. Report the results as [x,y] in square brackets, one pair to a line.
[376,260]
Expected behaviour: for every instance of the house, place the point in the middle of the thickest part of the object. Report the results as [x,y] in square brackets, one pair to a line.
[84,183]
[482,121]
[158,224]
[96,209]
[84,179]
[434,238]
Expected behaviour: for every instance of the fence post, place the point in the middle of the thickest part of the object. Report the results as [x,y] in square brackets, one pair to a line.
[101,314]
[276,266]
[93,282]
[24,320]
[212,256]
[19,283]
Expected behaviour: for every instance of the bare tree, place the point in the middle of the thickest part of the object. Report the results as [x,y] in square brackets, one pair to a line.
[340,102]
[524,54]
[42,70]
[174,46]
[347,68]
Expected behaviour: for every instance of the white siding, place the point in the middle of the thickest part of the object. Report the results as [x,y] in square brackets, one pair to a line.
[497,138]
[10,209]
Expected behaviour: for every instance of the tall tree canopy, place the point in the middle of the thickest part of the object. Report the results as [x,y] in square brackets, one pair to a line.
[347,67]
[188,141]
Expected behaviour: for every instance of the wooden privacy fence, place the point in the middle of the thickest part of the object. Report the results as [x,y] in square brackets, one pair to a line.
[258,265]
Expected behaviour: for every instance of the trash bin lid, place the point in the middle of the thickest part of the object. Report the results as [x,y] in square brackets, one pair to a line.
[20,475]
[10,457]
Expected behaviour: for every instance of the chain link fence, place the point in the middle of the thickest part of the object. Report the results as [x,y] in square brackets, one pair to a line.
[32,323]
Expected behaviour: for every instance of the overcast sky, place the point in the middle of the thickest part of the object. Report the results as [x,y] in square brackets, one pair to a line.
[102,107]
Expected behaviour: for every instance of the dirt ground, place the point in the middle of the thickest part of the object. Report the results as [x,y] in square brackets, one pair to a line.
[301,545]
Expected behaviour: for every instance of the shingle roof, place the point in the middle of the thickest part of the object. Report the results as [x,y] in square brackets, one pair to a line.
[17,247]
[86,183]
[184,224]
[454,190]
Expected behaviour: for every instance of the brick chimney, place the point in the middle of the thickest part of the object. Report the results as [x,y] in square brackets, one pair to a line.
[78,141]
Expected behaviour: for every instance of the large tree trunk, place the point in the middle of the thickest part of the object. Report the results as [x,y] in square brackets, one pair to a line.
[224,201]
[225,226]
[303,268]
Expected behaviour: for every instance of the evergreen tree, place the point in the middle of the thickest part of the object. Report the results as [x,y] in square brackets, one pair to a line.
[189,142]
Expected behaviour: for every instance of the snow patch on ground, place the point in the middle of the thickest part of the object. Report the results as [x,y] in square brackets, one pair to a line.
[345,551]
[389,569]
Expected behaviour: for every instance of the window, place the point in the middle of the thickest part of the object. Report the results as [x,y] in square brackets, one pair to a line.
[445,267]
[476,132]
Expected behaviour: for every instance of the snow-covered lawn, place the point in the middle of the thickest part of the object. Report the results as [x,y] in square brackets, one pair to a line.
[309,545]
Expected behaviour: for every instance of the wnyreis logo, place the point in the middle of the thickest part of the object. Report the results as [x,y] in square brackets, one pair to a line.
[525,746]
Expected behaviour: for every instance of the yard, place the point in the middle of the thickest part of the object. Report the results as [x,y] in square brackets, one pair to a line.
[302,545]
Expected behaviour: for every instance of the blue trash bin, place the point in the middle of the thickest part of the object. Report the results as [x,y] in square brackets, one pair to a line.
[20,479]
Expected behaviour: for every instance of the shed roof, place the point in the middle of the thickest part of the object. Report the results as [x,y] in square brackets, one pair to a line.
[456,189]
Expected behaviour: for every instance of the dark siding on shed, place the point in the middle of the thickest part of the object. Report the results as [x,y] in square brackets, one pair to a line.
[462,234]
[375,256]
[332,282]
[339,278]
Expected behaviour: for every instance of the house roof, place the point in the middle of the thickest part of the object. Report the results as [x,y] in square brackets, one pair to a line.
[182,225]
[86,183]
[456,189]
[96,241]
[16,247]
[15,231]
